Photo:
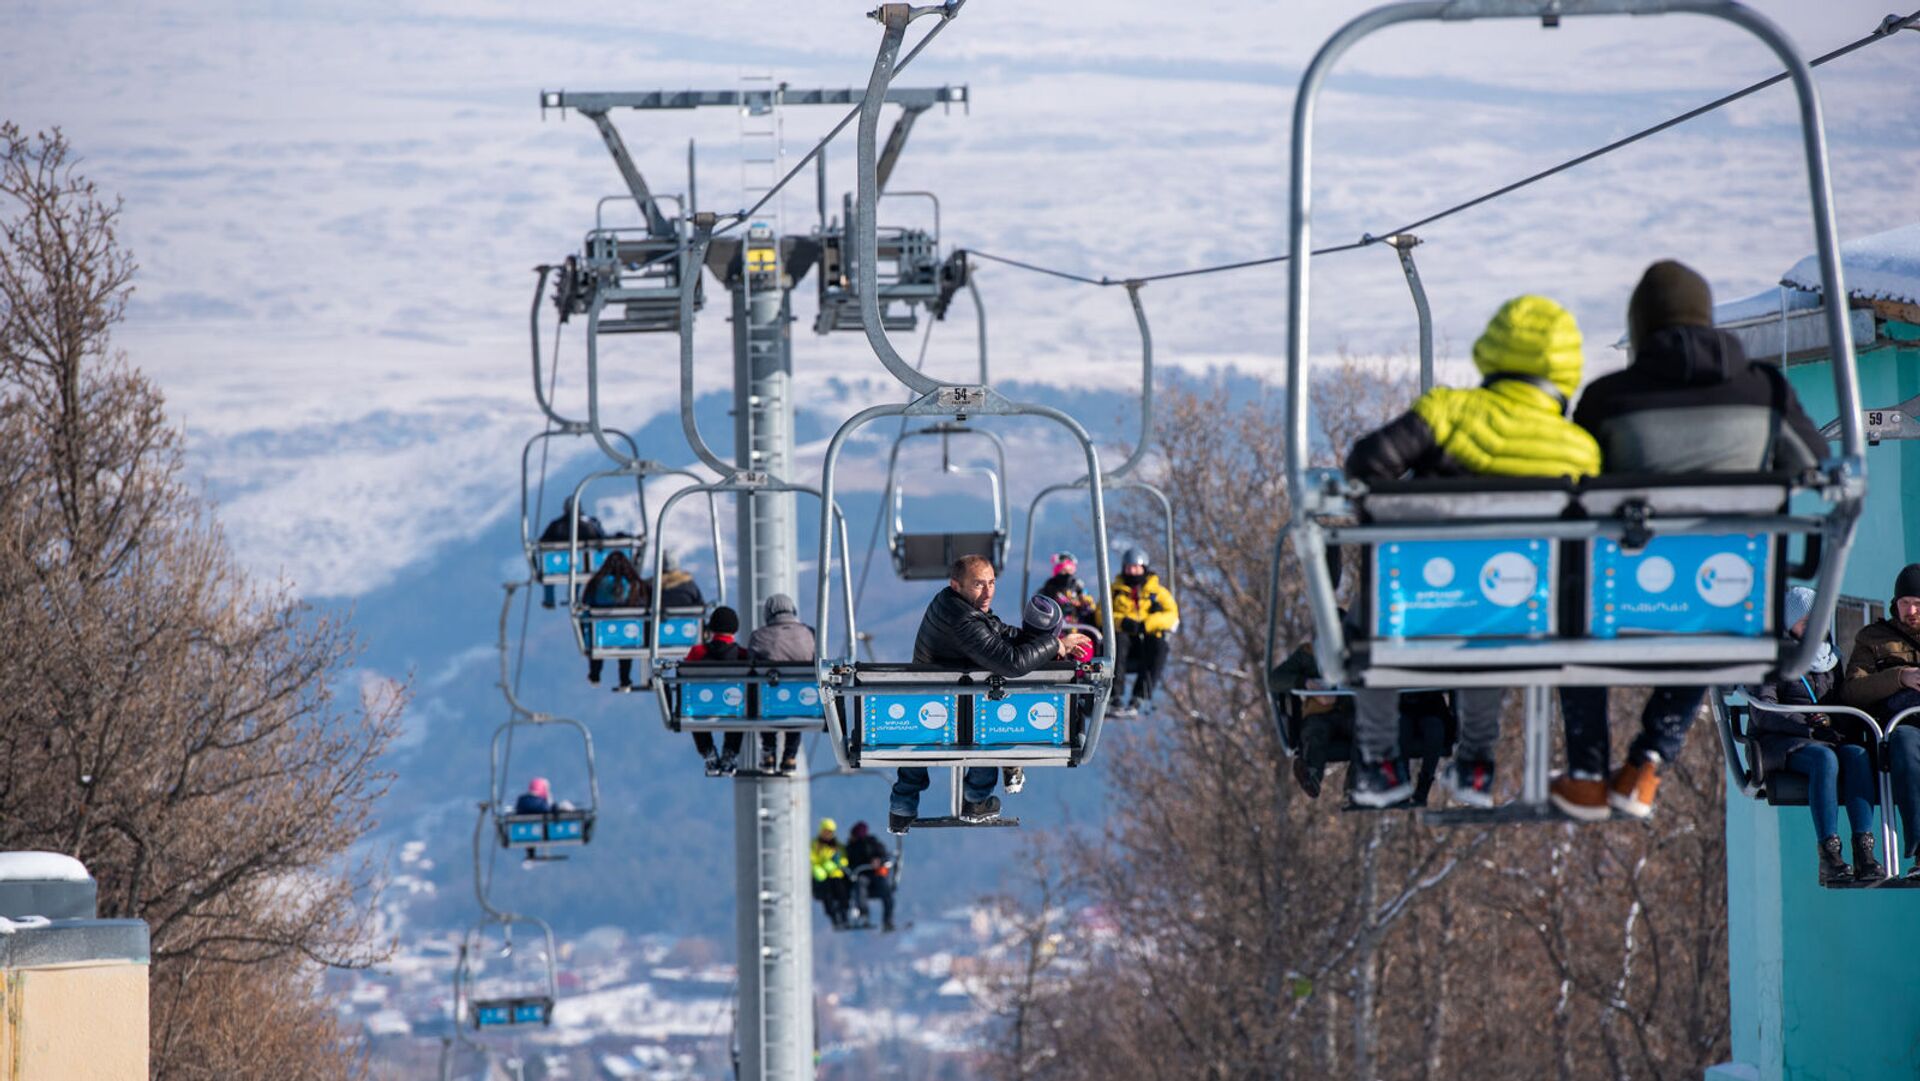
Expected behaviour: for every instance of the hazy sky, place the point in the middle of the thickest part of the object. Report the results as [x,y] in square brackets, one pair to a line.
[336,207]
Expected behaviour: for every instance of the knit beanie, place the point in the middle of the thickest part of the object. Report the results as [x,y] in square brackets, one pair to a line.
[1908,583]
[1670,294]
[1799,603]
[724,620]
[1042,614]
[539,787]
[777,605]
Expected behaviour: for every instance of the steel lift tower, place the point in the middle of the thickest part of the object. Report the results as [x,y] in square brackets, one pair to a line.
[759,267]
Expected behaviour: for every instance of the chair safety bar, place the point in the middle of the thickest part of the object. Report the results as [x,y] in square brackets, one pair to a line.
[1842,480]
[1167,540]
[527,507]
[642,470]
[1007,715]
[996,475]
[832,523]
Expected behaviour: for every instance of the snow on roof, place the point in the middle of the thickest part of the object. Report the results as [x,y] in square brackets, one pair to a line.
[1884,266]
[1764,305]
[41,867]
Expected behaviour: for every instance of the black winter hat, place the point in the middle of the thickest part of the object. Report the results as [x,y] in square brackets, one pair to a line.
[1908,582]
[724,620]
[1670,294]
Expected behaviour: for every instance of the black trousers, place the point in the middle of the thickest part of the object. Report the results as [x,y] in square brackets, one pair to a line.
[833,894]
[876,886]
[1145,655]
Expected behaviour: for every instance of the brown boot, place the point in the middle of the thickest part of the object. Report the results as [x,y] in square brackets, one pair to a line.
[1583,798]
[1632,787]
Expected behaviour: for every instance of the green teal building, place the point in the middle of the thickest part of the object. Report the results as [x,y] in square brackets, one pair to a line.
[1826,983]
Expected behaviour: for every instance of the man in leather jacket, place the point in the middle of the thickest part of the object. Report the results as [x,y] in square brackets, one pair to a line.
[960,630]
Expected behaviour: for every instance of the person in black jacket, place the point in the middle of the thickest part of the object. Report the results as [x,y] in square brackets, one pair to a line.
[867,863]
[1838,771]
[677,587]
[717,646]
[559,532]
[1689,402]
[960,630]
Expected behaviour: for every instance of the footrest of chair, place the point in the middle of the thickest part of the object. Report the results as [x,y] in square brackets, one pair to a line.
[1498,816]
[957,822]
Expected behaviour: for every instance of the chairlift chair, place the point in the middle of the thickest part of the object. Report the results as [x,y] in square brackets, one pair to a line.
[497,1012]
[604,633]
[572,561]
[890,714]
[860,901]
[909,272]
[1733,713]
[547,829]
[1488,581]
[752,696]
[1121,477]
[926,555]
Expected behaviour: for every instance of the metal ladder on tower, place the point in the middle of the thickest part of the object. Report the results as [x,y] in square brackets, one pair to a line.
[775,889]
[762,155]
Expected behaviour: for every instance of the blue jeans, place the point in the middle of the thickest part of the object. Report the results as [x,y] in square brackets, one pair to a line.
[1903,761]
[1852,768]
[1663,726]
[912,780]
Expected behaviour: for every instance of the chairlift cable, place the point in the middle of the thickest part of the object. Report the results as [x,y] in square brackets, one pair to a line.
[952,8]
[1885,30]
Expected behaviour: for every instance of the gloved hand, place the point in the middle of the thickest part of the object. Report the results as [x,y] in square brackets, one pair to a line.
[1154,605]
[1132,626]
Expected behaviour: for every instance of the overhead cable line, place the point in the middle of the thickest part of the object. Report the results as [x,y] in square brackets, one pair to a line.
[1887,28]
[947,11]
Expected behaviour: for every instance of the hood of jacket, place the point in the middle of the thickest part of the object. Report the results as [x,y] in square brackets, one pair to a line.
[1690,356]
[778,608]
[1533,338]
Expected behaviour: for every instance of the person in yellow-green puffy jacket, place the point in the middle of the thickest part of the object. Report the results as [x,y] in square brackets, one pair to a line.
[830,885]
[1514,424]
[1144,613]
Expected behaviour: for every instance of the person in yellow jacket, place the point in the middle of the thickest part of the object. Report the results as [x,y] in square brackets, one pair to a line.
[1514,424]
[1144,613]
[830,885]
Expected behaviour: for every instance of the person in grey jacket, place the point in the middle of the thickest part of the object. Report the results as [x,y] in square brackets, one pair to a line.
[960,630]
[780,639]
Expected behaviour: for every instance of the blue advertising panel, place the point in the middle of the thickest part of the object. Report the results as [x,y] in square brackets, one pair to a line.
[680,631]
[626,632]
[530,1013]
[899,720]
[791,699]
[522,833]
[1020,718]
[492,1016]
[713,699]
[1715,584]
[1464,588]
[567,829]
